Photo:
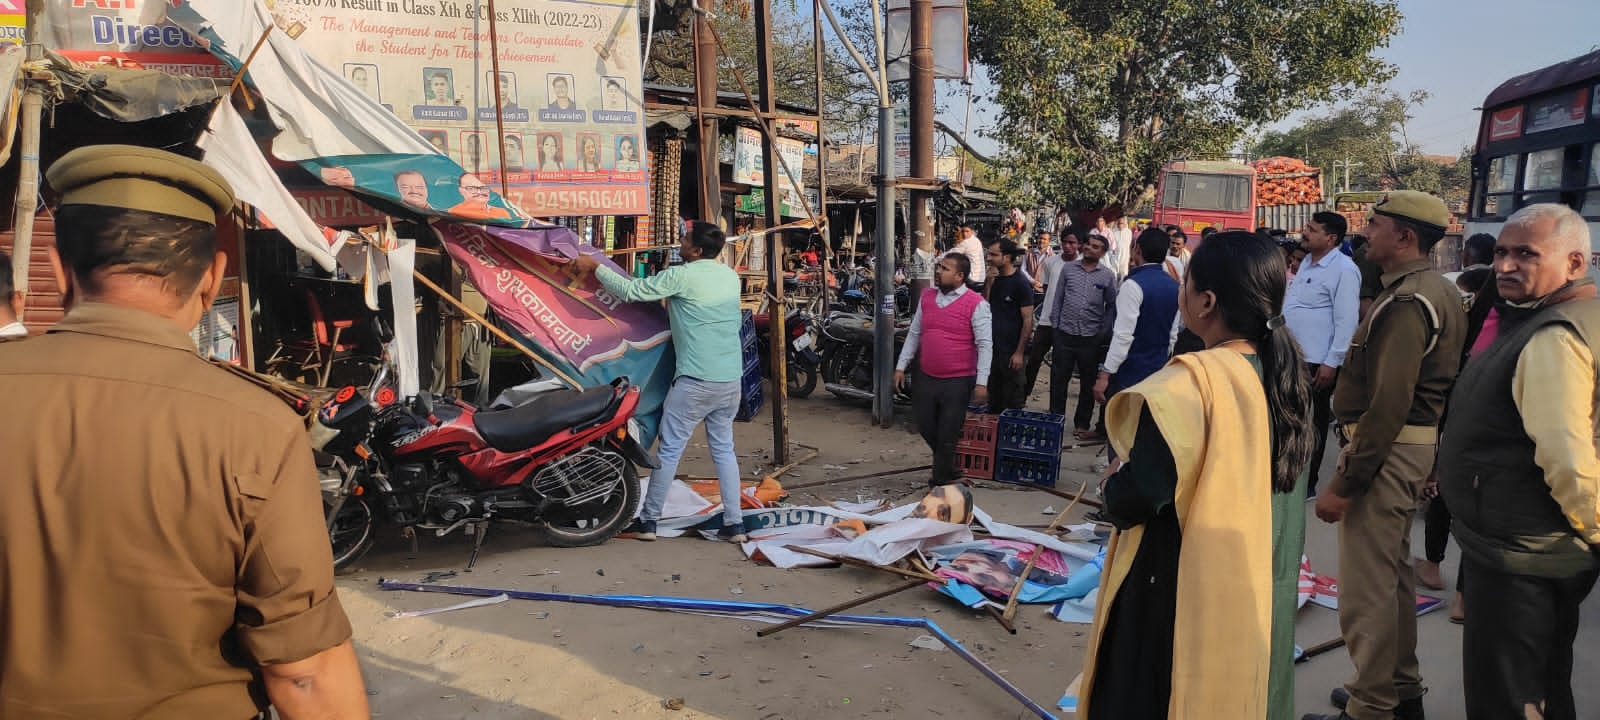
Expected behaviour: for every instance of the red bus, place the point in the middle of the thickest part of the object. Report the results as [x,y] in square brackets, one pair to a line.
[1197,194]
[1539,141]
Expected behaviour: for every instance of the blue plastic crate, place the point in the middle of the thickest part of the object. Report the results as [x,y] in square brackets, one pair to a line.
[752,362]
[1031,432]
[747,328]
[1025,468]
[750,399]
[750,381]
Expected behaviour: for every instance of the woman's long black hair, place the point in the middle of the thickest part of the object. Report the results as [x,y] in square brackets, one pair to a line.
[1246,272]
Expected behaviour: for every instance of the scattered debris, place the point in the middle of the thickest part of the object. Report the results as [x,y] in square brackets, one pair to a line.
[676,577]
[927,642]
[601,572]
[638,647]
[700,606]
[480,602]
[544,572]
[540,615]
[736,590]
[437,575]
[1048,510]
[673,704]
[705,673]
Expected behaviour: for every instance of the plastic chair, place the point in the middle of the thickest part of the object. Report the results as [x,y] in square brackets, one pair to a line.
[327,332]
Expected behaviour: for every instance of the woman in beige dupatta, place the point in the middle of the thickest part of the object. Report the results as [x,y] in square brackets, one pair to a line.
[1195,617]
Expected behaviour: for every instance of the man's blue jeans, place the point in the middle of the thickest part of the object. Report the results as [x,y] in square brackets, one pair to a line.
[690,402]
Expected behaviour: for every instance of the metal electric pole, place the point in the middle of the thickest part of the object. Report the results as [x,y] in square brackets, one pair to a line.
[883,358]
[922,75]
[705,93]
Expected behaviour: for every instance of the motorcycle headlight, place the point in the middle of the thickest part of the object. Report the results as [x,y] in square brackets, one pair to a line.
[634,430]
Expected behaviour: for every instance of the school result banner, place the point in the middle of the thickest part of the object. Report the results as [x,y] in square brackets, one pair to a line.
[568,82]
[568,90]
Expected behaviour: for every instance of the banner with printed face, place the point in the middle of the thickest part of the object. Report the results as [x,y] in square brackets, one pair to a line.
[359,79]
[569,319]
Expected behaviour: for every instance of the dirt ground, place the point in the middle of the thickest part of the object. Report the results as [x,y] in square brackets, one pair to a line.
[525,659]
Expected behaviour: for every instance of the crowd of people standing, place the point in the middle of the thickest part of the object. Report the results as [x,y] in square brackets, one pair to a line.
[1222,365]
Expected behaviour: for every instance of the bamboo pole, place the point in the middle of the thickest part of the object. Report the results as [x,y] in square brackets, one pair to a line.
[853,478]
[924,576]
[238,79]
[841,607]
[499,107]
[491,327]
[27,201]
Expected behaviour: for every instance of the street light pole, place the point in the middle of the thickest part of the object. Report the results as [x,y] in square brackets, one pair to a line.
[883,240]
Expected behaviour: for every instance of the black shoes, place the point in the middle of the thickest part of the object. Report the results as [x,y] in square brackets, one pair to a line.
[1408,709]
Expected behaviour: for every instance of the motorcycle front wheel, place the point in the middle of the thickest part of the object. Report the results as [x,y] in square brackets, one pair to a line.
[351,532]
[594,522]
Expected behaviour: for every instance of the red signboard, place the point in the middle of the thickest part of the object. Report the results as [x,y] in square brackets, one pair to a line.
[1506,124]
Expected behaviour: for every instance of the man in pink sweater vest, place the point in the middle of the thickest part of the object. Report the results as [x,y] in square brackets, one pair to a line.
[956,326]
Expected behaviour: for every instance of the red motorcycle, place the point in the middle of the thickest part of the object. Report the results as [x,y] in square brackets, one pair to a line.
[560,460]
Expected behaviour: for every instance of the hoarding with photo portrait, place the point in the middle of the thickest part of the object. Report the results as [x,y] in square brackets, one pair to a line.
[566,67]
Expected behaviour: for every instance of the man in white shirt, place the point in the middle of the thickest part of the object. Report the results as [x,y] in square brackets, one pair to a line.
[972,247]
[1321,309]
[11,327]
[1147,321]
[1043,332]
[958,328]
[1123,257]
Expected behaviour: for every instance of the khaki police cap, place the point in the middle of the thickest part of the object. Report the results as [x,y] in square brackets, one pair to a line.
[1415,206]
[140,178]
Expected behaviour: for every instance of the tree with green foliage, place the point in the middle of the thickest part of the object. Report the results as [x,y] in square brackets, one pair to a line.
[1369,132]
[1094,96]
[847,94]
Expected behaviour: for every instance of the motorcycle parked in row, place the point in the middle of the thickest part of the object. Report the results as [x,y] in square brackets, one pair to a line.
[560,460]
[847,363]
[801,362]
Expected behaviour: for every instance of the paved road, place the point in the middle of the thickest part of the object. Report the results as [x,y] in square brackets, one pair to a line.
[1438,644]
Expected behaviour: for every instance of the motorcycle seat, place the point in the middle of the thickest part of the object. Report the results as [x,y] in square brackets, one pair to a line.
[524,426]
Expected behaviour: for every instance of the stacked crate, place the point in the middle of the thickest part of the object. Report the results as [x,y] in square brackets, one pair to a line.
[750,380]
[975,449]
[1028,447]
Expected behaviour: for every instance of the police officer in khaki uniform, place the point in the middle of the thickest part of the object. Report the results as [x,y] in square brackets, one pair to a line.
[162,546]
[1397,374]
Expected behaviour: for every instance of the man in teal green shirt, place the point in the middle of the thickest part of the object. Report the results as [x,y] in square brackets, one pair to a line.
[702,298]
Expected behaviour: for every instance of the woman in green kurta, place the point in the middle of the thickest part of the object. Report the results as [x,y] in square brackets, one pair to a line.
[1178,494]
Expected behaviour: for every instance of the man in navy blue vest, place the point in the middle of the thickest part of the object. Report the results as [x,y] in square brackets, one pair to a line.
[1146,325]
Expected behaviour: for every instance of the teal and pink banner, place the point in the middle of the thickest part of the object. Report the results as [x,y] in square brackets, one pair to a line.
[571,320]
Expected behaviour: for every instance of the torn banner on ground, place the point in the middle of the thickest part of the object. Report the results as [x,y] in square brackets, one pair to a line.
[984,572]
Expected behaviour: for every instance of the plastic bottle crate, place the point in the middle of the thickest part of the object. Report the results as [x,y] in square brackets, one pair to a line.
[750,399]
[752,362]
[747,328]
[976,462]
[1025,468]
[979,430]
[1031,432]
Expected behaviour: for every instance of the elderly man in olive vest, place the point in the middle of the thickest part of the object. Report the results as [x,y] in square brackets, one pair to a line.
[1518,468]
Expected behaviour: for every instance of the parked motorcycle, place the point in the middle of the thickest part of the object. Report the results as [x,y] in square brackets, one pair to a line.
[847,346]
[558,459]
[801,362]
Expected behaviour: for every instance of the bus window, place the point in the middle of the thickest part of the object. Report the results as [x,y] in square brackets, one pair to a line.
[1543,173]
[1501,182]
[1591,199]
